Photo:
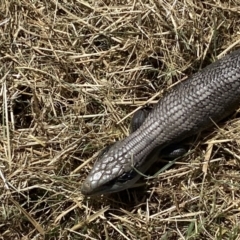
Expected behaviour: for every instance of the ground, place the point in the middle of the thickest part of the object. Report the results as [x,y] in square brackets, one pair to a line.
[72,74]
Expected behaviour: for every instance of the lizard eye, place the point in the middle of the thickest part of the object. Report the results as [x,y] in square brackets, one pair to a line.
[127,176]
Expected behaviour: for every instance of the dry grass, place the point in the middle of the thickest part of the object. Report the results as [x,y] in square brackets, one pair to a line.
[71,71]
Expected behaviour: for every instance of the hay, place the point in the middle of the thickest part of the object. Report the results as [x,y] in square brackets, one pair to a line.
[71,71]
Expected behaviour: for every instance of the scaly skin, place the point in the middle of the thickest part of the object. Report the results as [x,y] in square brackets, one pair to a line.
[191,106]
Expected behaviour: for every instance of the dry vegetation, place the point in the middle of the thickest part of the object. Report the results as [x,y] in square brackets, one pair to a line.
[72,73]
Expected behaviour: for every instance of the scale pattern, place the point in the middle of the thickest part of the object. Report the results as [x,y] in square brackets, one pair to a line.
[191,106]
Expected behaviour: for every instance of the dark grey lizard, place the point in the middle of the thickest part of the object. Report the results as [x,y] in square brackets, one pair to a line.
[191,106]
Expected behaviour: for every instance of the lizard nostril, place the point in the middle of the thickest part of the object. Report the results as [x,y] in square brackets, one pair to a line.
[86,188]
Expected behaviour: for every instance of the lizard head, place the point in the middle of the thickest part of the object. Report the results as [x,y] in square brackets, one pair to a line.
[112,172]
